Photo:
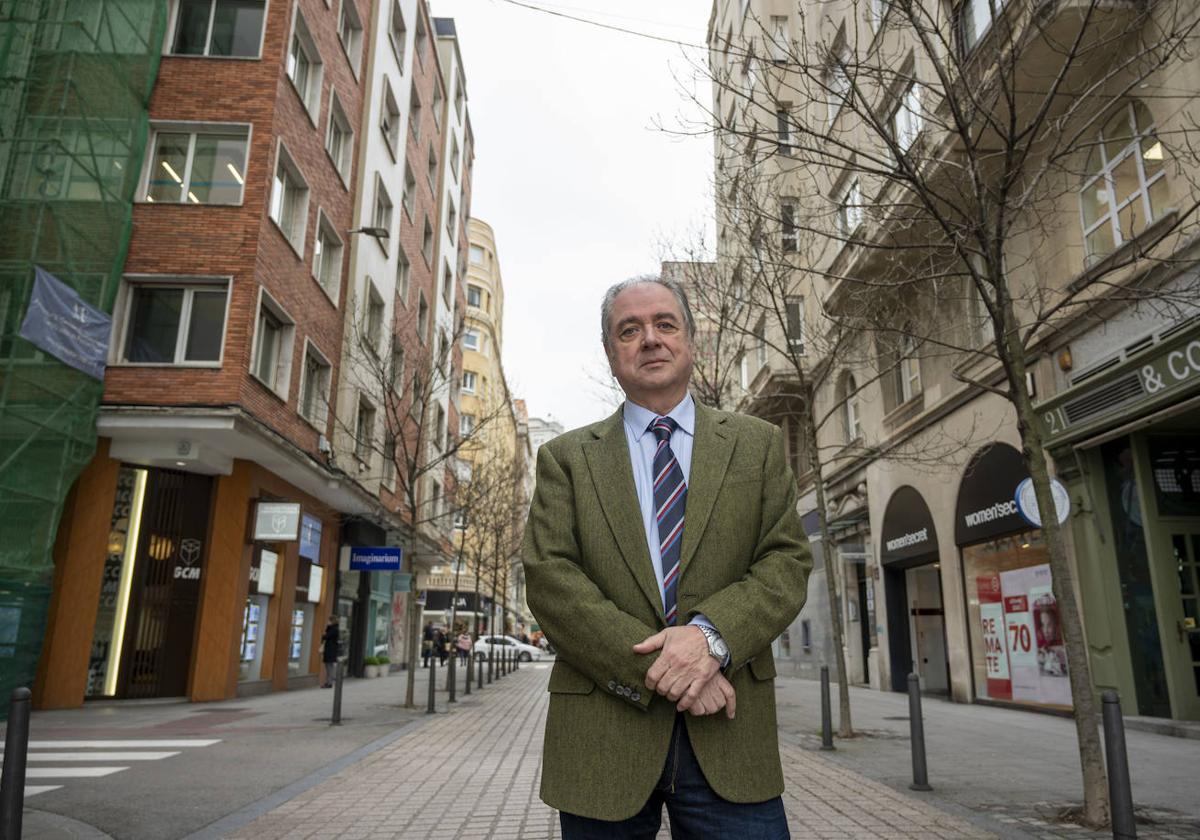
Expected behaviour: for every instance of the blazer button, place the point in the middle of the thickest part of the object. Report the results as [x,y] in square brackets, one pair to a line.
[612,685]
[636,696]
[626,690]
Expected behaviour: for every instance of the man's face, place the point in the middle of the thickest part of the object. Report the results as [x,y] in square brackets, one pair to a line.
[648,346]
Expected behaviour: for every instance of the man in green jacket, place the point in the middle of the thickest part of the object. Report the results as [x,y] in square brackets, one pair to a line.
[663,554]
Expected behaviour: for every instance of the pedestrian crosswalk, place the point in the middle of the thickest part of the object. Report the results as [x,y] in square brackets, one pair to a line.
[94,759]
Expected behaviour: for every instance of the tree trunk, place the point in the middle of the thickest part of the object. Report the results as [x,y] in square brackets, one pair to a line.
[1087,717]
[454,605]
[414,623]
[845,725]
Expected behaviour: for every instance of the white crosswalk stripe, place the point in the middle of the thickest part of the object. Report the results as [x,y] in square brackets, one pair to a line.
[95,759]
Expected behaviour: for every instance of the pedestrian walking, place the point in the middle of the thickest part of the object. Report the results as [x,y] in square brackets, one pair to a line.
[427,638]
[464,646]
[330,644]
[441,645]
[651,649]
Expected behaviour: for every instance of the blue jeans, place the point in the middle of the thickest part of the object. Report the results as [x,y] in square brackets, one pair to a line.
[695,809]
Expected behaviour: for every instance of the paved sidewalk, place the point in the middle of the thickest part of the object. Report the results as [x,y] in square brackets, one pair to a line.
[474,774]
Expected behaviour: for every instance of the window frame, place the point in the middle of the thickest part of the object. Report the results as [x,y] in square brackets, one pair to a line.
[385,209]
[284,352]
[353,52]
[399,49]
[908,370]
[374,317]
[193,130]
[284,159]
[324,225]
[849,215]
[336,111]
[390,118]
[321,422]
[403,276]
[171,34]
[469,376]
[190,284]
[314,85]
[364,448]
[906,132]
[789,234]
[852,422]
[472,334]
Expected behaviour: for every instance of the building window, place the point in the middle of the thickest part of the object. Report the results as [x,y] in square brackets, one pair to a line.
[468,382]
[1125,183]
[906,119]
[438,101]
[396,373]
[414,113]
[389,459]
[474,296]
[339,140]
[431,167]
[427,243]
[197,167]
[373,314]
[389,120]
[849,210]
[470,339]
[447,281]
[981,328]
[787,220]
[779,39]
[466,425]
[876,11]
[783,131]
[476,256]
[304,66]
[327,258]
[451,221]
[460,96]
[837,83]
[170,324]
[422,38]
[382,215]
[403,271]
[760,341]
[908,371]
[218,28]
[364,431]
[289,200]
[976,17]
[410,189]
[454,157]
[443,356]
[350,32]
[439,425]
[314,389]
[398,33]
[794,310]
[743,364]
[272,361]
[850,408]
[422,318]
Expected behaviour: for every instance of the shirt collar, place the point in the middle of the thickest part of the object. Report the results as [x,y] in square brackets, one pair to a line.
[639,418]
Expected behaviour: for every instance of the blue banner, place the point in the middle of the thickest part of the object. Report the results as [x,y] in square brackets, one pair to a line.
[378,559]
[310,538]
[60,322]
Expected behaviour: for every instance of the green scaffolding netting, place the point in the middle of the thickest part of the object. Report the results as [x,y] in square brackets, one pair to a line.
[75,83]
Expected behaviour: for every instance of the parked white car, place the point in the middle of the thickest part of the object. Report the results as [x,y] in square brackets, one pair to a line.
[506,644]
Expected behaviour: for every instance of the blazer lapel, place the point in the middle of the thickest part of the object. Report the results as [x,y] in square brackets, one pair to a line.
[711,451]
[612,476]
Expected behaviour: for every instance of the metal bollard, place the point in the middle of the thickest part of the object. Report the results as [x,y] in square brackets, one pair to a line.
[470,667]
[12,780]
[1120,793]
[432,707]
[478,673]
[336,719]
[451,676]
[826,712]
[491,663]
[916,726]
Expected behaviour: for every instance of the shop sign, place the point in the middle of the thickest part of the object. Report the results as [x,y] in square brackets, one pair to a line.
[995,638]
[401,582]
[908,530]
[443,600]
[987,506]
[316,577]
[262,574]
[375,559]
[1027,506]
[310,537]
[277,521]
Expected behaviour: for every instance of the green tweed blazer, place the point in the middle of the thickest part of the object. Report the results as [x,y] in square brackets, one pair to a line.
[590,584]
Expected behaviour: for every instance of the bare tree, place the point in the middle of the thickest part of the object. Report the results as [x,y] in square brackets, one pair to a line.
[934,172]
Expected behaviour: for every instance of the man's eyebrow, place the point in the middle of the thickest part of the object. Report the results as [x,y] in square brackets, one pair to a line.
[657,316]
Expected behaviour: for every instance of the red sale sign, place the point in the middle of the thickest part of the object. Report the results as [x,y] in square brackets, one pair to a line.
[995,641]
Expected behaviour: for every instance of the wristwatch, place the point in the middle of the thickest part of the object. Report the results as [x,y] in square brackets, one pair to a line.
[717,648]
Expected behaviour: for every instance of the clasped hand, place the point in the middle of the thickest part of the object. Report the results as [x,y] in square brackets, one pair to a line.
[685,673]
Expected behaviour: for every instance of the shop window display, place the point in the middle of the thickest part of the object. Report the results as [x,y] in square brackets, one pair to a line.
[1017,646]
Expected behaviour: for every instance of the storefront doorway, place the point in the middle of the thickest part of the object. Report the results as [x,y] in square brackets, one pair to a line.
[927,628]
[145,624]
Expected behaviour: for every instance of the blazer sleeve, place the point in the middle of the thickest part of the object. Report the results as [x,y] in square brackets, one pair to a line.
[590,632]
[751,612]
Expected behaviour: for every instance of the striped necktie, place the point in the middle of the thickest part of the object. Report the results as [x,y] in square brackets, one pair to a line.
[670,498]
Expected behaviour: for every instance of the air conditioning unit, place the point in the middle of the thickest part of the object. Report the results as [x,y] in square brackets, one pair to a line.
[323,445]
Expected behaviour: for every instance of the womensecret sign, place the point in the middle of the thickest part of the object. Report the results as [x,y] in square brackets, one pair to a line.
[908,531]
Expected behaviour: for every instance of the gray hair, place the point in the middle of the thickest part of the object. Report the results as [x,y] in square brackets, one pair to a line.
[673,286]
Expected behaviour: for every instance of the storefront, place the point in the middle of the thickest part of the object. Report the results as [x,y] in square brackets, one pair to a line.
[1018,655]
[916,629]
[1127,438]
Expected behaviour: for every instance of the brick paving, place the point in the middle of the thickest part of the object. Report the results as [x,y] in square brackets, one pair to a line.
[474,773]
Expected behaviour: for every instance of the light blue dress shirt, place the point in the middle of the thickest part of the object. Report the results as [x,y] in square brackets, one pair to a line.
[642,446]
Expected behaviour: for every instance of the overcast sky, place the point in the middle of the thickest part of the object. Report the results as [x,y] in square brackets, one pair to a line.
[571,171]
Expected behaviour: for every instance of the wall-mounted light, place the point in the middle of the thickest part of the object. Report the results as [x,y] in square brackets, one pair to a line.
[1065,361]
[376,232]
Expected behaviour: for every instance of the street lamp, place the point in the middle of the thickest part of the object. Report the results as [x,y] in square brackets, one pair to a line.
[376,232]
